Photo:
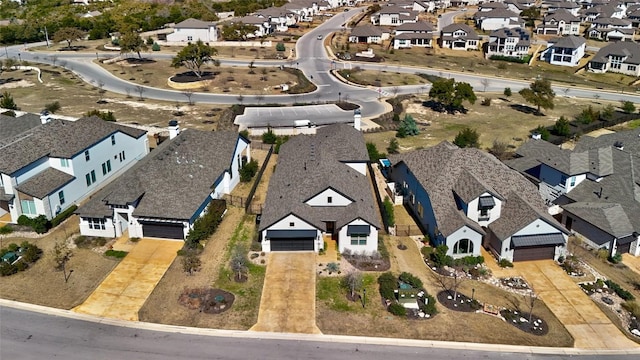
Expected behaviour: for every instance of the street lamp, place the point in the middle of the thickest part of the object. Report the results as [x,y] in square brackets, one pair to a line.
[364,297]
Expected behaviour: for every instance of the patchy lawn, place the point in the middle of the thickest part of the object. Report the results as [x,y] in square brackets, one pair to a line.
[163,307]
[43,285]
[382,78]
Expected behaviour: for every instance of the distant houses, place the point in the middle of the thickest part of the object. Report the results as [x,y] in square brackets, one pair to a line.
[620,57]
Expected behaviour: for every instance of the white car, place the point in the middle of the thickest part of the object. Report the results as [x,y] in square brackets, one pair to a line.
[319,37]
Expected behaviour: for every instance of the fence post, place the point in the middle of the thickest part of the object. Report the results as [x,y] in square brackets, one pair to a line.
[257,180]
[372,175]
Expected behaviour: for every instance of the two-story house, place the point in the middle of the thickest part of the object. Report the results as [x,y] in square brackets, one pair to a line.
[50,167]
[413,34]
[564,51]
[321,188]
[572,7]
[560,22]
[167,191]
[514,42]
[620,57]
[192,30]
[601,11]
[279,18]
[611,29]
[466,198]
[459,37]
[393,16]
[263,26]
[497,19]
[305,10]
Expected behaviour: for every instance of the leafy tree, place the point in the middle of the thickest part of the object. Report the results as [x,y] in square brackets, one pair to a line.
[628,107]
[150,41]
[374,154]
[393,147]
[132,42]
[539,94]
[408,127]
[588,115]
[530,14]
[543,131]
[269,137]
[68,34]
[104,115]
[193,56]
[507,92]
[467,137]
[248,171]
[280,47]
[561,127]
[155,47]
[451,94]
[7,101]
[237,31]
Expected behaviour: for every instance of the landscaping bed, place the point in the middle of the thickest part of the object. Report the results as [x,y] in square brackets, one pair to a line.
[190,76]
[461,302]
[532,325]
[209,301]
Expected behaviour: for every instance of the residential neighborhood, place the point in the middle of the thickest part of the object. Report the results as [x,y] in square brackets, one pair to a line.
[454,178]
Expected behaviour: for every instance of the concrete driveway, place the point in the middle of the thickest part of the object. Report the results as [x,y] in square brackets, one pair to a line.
[126,288]
[588,325]
[633,262]
[288,302]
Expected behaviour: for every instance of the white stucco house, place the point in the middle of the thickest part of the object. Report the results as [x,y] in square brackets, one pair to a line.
[394,16]
[497,19]
[192,30]
[564,51]
[560,22]
[49,167]
[164,193]
[414,34]
[459,37]
[321,189]
[514,42]
[620,57]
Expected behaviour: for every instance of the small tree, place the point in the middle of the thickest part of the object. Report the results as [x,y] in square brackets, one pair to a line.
[628,107]
[451,94]
[374,154]
[280,47]
[191,262]
[499,149]
[389,211]
[52,107]
[239,261]
[104,115]
[248,171]
[530,300]
[61,255]
[543,131]
[467,137]
[539,94]
[132,42]
[7,101]
[353,282]
[68,34]
[588,115]
[561,127]
[393,147]
[607,112]
[269,137]
[408,127]
[194,56]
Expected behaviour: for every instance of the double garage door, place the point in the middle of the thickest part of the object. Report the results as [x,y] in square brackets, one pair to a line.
[292,240]
[163,230]
[542,252]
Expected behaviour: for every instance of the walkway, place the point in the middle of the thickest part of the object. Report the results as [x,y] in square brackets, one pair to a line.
[588,325]
[289,294]
[633,262]
[5,219]
[125,290]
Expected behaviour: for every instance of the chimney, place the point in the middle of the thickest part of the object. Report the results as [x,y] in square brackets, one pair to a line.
[45,117]
[357,119]
[536,136]
[174,129]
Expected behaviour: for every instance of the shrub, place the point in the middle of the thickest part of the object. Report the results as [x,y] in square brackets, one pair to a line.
[6,230]
[39,224]
[155,47]
[280,47]
[7,269]
[63,215]
[269,137]
[615,259]
[387,283]
[543,131]
[507,92]
[624,294]
[440,258]
[411,279]
[467,138]
[504,263]
[408,127]
[248,171]
[206,224]
[388,211]
[116,253]
[426,251]
[244,133]
[7,102]
[632,307]
[486,102]
[394,147]
[374,154]
[469,261]
[561,127]
[30,252]
[53,107]
[24,220]
[255,246]
[150,40]
[588,115]
[104,115]
[628,107]
[397,310]
[430,305]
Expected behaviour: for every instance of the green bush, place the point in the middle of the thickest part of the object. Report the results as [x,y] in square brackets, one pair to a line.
[628,107]
[632,307]
[507,92]
[248,171]
[269,137]
[280,47]
[388,211]
[155,47]
[469,261]
[206,224]
[7,229]
[561,127]
[504,263]
[388,283]
[397,310]
[116,253]
[543,131]
[104,115]
[53,107]
[7,269]
[440,258]
[426,252]
[615,259]
[24,220]
[624,294]
[411,279]
[63,215]
[430,305]
[30,252]
[39,224]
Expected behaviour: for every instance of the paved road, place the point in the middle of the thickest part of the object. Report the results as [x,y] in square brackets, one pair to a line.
[29,335]
[447,19]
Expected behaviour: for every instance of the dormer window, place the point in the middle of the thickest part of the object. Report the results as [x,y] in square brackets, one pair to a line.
[485,203]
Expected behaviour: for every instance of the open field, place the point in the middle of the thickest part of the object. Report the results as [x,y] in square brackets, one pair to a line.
[500,121]
[43,285]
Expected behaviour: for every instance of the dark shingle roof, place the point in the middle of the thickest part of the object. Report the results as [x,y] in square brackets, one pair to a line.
[192,23]
[630,139]
[569,42]
[537,240]
[561,15]
[520,33]
[11,126]
[495,14]
[471,34]
[310,164]
[612,22]
[628,49]
[45,183]
[609,217]
[173,180]
[440,169]
[59,139]
[410,36]
[366,30]
[416,26]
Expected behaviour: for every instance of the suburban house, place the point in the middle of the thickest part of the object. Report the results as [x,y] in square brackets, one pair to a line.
[572,7]
[393,16]
[517,6]
[424,6]
[47,168]
[164,193]
[560,22]
[601,11]
[611,29]
[634,16]
[459,37]
[413,34]
[564,51]
[595,187]
[321,188]
[192,30]
[263,26]
[514,42]
[490,6]
[620,57]
[496,19]
[279,18]
[305,10]
[466,198]
[367,34]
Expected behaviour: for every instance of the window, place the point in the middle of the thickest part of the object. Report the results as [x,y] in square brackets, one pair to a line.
[106,167]
[563,180]
[86,155]
[329,199]
[464,246]
[61,197]
[64,162]
[113,139]
[122,157]
[28,207]
[420,210]
[96,223]
[189,38]
[573,181]
[93,176]
[631,67]
[90,177]
[292,224]
[358,239]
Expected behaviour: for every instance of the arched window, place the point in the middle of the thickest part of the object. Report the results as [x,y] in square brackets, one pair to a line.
[463,246]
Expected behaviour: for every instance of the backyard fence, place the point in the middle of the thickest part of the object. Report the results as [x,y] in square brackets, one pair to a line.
[233,200]
[257,209]
[378,199]
[407,230]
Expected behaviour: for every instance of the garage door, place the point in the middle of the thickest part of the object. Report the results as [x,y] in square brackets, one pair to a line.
[303,244]
[165,231]
[623,248]
[534,253]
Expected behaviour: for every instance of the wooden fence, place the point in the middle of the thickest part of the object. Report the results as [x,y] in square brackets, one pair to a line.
[408,230]
[385,223]
[252,193]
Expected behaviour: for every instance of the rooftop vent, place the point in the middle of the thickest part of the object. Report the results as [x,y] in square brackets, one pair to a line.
[618,145]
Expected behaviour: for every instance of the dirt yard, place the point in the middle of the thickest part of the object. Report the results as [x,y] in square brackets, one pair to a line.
[43,285]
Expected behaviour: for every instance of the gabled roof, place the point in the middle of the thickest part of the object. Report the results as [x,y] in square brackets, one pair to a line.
[569,42]
[396,10]
[250,19]
[192,23]
[611,22]
[471,34]
[411,36]
[11,126]
[564,5]
[505,33]
[45,183]
[629,139]
[495,14]
[174,180]
[628,49]
[416,26]
[59,139]
[366,30]
[561,14]
[273,12]
[309,164]
[492,5]
[608,217]
[445,168]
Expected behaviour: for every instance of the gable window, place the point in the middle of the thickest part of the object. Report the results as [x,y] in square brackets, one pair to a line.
[563,180]
[420,210]
[86,155]
[463,246]
[573,181]
[61,197]
[292,224]
[113,139]
[64,162]
[329,199]
[96,223]
[358,239]
[28,207]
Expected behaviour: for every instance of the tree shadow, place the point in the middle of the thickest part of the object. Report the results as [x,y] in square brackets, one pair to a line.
[526,109]
[439,107]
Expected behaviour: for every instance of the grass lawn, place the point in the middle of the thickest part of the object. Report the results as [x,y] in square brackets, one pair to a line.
[162,305]
[496,122]
[43,285]
[77,97]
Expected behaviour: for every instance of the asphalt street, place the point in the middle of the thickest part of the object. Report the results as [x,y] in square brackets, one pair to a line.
[29,335]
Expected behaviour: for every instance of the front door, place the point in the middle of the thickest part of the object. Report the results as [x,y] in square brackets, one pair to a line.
[331,229]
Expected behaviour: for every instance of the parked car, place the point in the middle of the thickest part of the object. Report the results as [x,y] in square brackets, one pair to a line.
[319,37]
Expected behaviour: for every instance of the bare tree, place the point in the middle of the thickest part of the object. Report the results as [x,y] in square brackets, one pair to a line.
[566,91]
[239,261]
[530,300]
[61,255]
[191,262]
[353,281]
[128,91]
[485,84]
[452,283]
[140,89]
[188,93]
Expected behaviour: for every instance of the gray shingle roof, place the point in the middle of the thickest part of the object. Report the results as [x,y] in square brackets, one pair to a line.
[45,183]
[173,180]
[504,33]
[11,126]
[611,22]
[569,42]
[366,30]
[609,217]
[58,138]
[561,15]
[450,29]
[440,168]
[630,139]
[192,23]
[495,14]
[410,36]
[628,49]
[416,26]
[537,240]
[309,164]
